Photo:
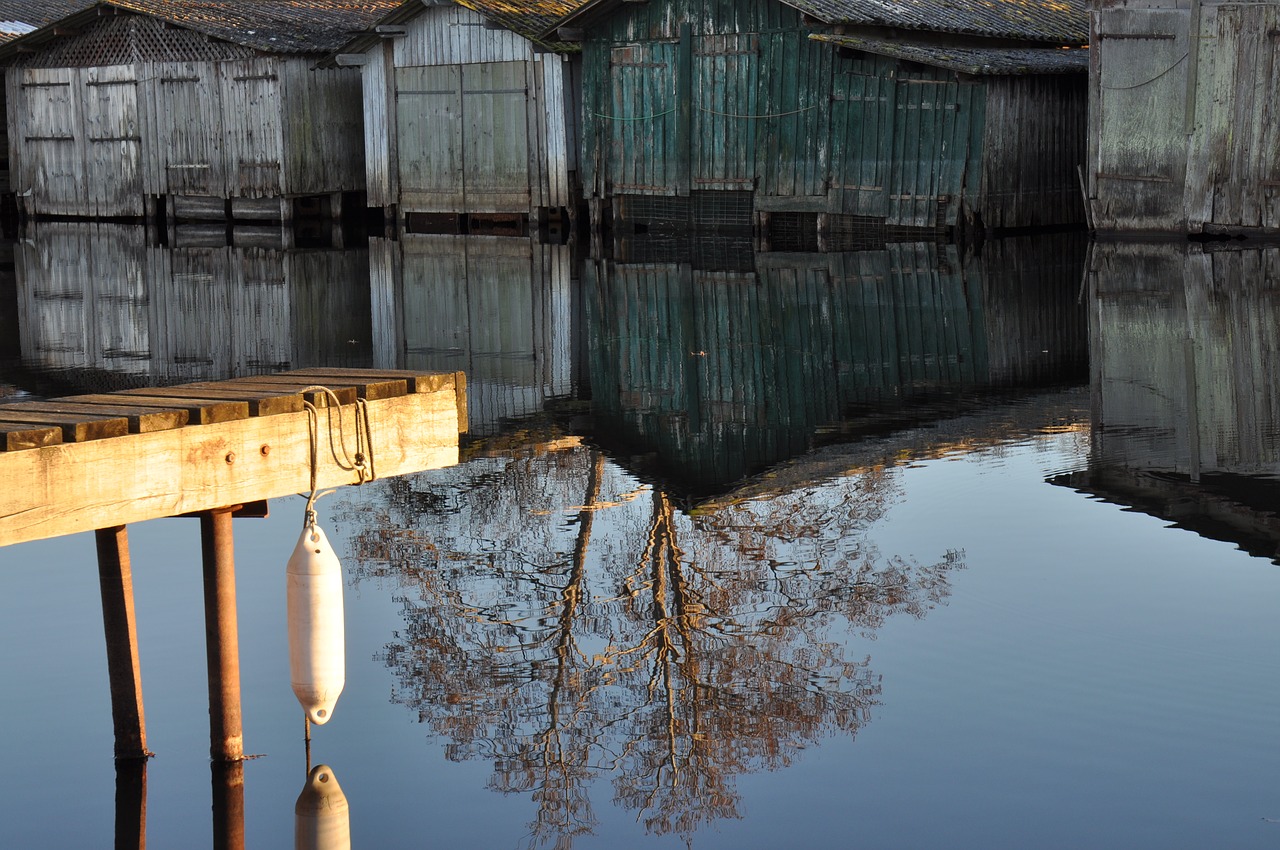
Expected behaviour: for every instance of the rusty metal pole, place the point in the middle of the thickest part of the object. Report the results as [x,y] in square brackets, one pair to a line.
[131,804]
[221,638]
[115,576]
[228,805]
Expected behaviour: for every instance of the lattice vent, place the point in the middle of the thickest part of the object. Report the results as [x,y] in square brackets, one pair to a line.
[126,39]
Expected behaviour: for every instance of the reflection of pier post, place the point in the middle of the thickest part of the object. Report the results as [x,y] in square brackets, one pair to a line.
[131,804]
[228,805]
[221,638]
[116,578]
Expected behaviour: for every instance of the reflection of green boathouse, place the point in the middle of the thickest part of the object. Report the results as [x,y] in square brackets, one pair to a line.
[727,372]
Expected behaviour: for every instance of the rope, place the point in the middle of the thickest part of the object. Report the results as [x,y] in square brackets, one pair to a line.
[633,117]
[1150,81]
[361,464]
[767,115]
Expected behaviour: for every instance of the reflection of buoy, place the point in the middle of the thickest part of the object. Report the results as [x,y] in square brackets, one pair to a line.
[322,819]
[317,646]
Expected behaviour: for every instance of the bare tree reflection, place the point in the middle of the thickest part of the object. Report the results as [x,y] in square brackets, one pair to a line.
[617,637]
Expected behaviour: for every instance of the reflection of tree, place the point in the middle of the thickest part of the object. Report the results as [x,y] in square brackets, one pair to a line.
[668,652]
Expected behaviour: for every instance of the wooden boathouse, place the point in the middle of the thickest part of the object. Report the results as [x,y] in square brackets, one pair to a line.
[1184,136]
[805,112]
[470,115]
[186,109]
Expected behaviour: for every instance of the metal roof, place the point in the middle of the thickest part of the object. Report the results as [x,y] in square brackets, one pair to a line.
[1044,21]
[271,26]
[980,61]
[1057,21]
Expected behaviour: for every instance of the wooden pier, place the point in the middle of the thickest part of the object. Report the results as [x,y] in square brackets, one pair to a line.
[212,450]
[97,461]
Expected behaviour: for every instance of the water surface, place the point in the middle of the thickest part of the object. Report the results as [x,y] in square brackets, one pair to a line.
[903,547]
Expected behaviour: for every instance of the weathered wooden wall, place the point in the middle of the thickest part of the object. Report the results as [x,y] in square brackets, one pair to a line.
[97,297]
[461,118]
[1183,133]
[499,309]
[723,95]
[100,141]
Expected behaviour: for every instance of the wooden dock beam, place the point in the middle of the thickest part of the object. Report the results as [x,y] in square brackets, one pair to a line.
[222,643]
[115,577]
[131,804]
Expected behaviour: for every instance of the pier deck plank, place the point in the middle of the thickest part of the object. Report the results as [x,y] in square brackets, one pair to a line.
[58,488]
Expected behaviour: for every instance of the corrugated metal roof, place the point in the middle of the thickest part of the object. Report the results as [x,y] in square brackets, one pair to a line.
[1058,21]
[981,61]
[271,26]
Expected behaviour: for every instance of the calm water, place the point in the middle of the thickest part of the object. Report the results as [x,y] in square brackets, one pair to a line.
[888,548]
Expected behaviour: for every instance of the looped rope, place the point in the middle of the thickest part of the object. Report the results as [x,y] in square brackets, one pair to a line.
[361,464]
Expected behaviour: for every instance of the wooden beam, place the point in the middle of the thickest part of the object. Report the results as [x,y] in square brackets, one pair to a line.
[351,60]
[67,488]
[199,411]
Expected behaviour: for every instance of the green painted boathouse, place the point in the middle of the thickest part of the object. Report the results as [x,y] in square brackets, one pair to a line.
[829,113]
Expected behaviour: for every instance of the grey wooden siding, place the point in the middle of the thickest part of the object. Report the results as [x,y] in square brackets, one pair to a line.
[97,141]
[460,118]
[95,297]
[498,308]
[1183,136]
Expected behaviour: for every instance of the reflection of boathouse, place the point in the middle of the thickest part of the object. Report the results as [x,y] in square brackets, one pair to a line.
[97,298]
[1186,396]
[468,111]
[732,371]
[499,309]
[196,110]
[722,111]
[1183,132]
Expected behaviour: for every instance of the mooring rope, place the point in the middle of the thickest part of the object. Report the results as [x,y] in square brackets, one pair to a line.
[361,464]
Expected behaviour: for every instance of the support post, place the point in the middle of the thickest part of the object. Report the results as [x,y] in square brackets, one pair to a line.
[131,805]
[221,637]
[228,805]
[115,578]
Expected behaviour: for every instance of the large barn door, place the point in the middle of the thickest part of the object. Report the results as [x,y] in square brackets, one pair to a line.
[189,155]
[725,111]
[113,159]
[645,153]
[48,139]
[495,134]
[862,109]
[925,120]
[251,118]
[429,137]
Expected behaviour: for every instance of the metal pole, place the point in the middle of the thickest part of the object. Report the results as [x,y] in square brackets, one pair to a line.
[221,638]
[118,620]
[131,804]
[228,805]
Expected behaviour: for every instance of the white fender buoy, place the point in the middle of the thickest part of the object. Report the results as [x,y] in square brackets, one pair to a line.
[321,817]
[317,642]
